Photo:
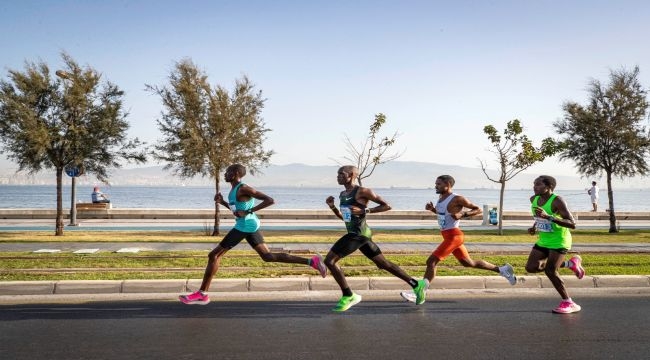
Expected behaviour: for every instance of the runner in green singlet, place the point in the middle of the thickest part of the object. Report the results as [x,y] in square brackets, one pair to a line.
[553,221]
[353,208]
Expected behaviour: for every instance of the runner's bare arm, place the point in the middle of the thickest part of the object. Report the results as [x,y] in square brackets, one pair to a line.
[369,195]
[459,203]
[219,199]
[246,191]
[560,207]
[330,202]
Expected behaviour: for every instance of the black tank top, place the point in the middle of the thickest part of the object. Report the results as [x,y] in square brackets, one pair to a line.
[355,224]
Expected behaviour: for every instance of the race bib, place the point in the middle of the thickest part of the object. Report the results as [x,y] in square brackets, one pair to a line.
[441,220]
[346,213]
[543,225]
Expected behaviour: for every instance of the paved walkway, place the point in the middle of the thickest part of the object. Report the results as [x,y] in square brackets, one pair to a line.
[281,224]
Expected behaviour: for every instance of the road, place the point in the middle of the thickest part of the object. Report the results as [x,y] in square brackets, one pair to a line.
[451,326]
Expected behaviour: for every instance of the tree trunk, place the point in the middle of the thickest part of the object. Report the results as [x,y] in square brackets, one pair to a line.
[500,210]
[215,230]
[59,202]
[610,198]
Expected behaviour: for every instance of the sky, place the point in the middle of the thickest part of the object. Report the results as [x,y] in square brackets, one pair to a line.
[439,70]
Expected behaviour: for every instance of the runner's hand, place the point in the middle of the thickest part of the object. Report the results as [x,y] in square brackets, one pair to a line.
[329,201]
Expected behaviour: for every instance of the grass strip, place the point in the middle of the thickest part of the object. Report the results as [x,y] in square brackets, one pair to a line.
[246,264]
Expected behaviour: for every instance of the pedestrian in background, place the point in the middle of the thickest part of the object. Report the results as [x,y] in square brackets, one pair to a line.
[593,192]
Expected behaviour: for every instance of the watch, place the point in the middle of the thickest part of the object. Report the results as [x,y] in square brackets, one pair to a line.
[249,211]
[367,210]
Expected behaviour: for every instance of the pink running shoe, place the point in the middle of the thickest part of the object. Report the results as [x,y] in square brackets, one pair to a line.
[567,307]
[195,298]
[318,264]
[576,266]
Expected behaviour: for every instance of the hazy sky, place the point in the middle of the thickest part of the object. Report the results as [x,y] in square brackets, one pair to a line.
[439,70]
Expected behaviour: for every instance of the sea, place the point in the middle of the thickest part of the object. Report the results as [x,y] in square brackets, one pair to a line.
[196,197]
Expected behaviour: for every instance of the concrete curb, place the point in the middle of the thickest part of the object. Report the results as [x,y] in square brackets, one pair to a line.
[306,284]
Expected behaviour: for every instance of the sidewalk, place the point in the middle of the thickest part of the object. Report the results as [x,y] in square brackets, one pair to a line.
[316,286]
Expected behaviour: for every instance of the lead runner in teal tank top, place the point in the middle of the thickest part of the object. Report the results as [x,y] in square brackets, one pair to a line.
[241,201]
[353,207]
[553,221]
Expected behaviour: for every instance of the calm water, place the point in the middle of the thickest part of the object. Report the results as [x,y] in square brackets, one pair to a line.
[44,197]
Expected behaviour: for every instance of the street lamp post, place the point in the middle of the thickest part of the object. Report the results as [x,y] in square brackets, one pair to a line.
[74,171]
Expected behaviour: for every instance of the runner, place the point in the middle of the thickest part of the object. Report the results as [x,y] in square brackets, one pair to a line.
[449,209]
[353,209]
[553,221]
[241,201]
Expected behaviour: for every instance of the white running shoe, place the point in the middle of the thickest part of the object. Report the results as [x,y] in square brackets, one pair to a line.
[509,273]
[408,296]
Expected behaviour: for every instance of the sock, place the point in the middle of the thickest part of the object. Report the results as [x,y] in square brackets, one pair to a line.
[567,264]
[347,292]
[309,261]
[413,283]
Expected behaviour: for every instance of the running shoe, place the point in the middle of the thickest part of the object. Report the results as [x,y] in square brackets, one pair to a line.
[195,298]
[567,307]
[576,266]
[420,292]
[408,296]
[509,273]
[347,302]
[318,264]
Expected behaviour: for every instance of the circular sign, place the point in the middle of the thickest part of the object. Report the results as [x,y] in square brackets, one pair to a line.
[73,171]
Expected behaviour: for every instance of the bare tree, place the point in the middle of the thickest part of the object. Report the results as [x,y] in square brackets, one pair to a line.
[373,151]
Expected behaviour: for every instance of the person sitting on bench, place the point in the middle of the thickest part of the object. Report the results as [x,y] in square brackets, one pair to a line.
[98,197]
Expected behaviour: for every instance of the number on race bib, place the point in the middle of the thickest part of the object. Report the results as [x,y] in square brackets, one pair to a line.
[346,213]
[543,225]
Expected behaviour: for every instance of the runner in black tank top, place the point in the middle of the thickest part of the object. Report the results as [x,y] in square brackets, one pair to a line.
[353,209]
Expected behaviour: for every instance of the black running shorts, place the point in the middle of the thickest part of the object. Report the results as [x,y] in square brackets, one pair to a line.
[235,236]
[349,243]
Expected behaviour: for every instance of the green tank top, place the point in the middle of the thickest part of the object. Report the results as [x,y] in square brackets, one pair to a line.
[355,224]
[551,235]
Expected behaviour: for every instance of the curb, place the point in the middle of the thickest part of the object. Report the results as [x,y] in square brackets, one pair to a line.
[307,284]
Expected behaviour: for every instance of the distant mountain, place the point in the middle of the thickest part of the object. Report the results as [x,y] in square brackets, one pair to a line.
[406,174]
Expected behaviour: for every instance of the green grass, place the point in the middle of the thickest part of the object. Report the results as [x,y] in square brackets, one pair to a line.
[246,264]
[320,236]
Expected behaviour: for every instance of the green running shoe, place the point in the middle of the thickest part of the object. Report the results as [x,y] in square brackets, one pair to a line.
[420,292]
[347,302]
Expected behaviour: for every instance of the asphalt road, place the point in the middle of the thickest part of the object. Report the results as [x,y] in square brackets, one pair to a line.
[456,326]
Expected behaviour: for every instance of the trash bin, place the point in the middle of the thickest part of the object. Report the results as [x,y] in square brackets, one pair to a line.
[490,214]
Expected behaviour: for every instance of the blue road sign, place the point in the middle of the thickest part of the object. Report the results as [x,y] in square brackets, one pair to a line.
[73,171]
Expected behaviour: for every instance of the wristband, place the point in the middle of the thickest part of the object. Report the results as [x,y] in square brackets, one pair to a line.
[249,211]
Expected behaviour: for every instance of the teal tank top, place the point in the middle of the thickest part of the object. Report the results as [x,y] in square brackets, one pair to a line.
[551,235]
[355,224]
[249,223]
